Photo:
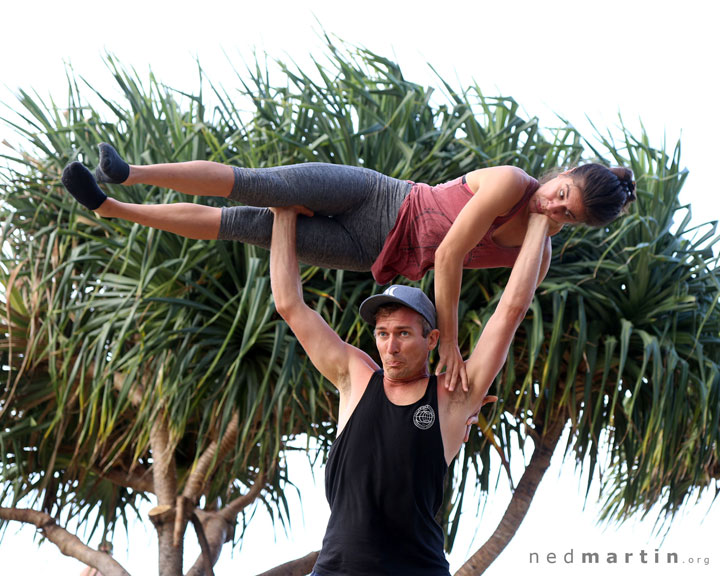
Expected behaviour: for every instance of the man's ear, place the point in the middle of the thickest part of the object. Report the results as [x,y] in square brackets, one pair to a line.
[433,338]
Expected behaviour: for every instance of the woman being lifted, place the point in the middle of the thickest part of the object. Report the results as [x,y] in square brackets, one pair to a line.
[365,221]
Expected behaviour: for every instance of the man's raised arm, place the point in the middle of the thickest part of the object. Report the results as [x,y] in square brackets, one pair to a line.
[491,350]
[326,350]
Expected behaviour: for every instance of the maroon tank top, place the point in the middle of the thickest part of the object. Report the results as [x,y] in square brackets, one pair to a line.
[424,219]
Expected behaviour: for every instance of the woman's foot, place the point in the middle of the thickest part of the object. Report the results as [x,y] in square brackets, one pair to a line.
[112,168]
[79,181]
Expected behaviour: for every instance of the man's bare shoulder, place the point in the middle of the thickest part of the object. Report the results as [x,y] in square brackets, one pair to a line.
[353,384]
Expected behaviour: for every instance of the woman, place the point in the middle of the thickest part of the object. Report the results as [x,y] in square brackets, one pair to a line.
[364,220]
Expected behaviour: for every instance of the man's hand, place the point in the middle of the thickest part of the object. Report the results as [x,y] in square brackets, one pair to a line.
[296,209]
[452,361]
[474,418]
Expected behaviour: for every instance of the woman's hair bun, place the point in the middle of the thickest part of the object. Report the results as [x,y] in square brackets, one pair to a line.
[627,181]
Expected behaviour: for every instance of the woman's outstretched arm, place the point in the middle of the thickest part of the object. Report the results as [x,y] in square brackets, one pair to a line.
[498,190]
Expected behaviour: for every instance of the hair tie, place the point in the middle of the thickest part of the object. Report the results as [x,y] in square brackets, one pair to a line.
[629,190]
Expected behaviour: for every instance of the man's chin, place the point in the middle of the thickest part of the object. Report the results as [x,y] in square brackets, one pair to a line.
[395,373]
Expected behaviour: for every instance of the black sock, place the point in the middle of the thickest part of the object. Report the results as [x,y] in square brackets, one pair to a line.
[79,181]
[112,168]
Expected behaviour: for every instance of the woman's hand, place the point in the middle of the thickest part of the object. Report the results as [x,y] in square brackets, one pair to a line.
[475,417]
[452,361]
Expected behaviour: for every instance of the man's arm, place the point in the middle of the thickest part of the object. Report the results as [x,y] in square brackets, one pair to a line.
[326,350]
[491,350]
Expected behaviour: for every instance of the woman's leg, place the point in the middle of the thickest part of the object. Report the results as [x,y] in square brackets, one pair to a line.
[189,220]
[329,189]
[354,209]
[198,178]
[321,240]
[359,205]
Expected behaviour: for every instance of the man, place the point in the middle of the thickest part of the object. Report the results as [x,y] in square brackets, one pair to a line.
[399,427]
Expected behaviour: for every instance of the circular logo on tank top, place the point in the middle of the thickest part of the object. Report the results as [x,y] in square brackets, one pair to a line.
[424,417]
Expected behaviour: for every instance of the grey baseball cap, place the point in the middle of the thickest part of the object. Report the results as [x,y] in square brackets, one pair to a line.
[413,298]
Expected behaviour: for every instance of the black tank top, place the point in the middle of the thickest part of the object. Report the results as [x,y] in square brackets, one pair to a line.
[384,482]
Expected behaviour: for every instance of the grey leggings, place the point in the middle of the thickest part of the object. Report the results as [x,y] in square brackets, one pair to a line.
[355,209]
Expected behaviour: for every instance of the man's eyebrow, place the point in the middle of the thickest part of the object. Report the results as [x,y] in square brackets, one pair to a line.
[401,327]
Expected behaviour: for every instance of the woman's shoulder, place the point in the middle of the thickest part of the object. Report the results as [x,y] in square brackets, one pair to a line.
[511,179]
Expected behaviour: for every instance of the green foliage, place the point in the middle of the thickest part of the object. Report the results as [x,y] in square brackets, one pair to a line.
[623,340]
[109,325]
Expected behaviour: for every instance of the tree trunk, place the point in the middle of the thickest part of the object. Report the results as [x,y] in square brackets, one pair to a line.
[519,503]
[170,557]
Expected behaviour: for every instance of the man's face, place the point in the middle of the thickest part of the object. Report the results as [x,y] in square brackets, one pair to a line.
[402,347]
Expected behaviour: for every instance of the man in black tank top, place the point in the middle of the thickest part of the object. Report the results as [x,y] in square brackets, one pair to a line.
[398,427]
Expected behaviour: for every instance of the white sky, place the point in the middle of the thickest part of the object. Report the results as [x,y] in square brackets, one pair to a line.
[650,60]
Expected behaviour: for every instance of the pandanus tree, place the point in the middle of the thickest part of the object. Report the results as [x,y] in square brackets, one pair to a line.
[142,366]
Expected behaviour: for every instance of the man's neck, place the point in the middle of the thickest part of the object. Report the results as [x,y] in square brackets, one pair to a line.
[423,375]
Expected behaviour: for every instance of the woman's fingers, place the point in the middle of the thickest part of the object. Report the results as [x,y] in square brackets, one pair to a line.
[451,360]
[489,400]
[474,419]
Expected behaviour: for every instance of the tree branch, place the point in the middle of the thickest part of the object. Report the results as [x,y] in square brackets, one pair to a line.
[519,503]
[207,562]
[218,525]
[217,531]
[236,506]
[195,484]
[214,453]
[138,482]
[164,475]
[69,544]
[298,567]
[136,392]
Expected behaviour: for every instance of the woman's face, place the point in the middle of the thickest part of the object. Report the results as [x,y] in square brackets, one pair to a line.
[560,200]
